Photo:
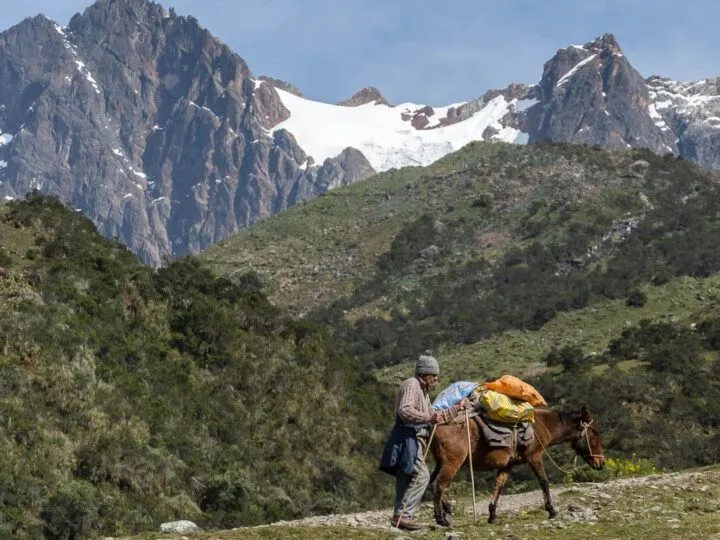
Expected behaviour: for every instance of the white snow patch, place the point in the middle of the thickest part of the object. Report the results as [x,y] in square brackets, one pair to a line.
[9,198]
[157,200]
[138,173]
[117,151]
[575,68]
[3,163]
[657,119]
[59,29]
[83,69]
[378,131]
[5,138]
[127,196]
[257,83]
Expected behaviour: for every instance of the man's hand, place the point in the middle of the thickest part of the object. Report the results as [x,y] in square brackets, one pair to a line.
[463,404]
[436,418]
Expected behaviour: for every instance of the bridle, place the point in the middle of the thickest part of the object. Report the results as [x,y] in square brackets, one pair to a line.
[584,427]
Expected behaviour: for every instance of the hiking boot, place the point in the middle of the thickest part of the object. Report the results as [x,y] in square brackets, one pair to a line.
[406,524]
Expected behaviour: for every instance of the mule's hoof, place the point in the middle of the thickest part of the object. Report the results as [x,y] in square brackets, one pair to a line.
[492,519]
[552,513]
[444,522]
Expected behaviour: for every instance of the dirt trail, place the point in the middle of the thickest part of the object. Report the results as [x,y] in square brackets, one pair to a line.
[508,504]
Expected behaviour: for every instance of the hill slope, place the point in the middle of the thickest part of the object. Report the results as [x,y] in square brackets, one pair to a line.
[492,238]
[130,396]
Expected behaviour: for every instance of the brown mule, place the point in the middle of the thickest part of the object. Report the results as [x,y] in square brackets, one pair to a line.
[450,448]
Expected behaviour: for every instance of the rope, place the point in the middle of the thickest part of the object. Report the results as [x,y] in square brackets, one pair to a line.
[412,486]
[558,467]
[472,476]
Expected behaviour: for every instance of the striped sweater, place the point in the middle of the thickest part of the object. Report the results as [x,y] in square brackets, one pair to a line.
[412,405]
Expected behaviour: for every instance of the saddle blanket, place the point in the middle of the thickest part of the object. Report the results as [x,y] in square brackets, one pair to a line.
[499,435]
[506,435]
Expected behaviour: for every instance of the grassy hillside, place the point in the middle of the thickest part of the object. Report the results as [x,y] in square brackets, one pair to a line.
[130,397]
[491,239]
[472,205]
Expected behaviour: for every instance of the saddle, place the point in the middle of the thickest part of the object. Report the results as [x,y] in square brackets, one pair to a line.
[499,435]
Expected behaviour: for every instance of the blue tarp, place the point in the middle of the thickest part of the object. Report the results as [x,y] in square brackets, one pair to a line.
[453,394]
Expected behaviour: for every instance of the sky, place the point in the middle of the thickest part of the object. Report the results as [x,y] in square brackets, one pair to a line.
[433,52]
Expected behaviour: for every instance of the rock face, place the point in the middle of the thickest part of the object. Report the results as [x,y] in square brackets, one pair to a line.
[363,96]
[161,134]
[591,94]
[150,126]
[691,111]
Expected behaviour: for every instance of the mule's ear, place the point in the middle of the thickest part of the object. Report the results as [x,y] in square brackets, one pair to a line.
[585,414]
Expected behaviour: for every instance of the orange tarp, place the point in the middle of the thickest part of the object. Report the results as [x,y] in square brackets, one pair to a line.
[515,388]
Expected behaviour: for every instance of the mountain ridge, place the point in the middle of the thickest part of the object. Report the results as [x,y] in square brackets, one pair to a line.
[165,138]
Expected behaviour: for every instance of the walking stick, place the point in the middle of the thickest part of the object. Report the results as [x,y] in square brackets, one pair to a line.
[472,476]
[412,486]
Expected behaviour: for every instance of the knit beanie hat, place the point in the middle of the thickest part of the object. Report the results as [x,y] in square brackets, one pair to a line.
[426,364]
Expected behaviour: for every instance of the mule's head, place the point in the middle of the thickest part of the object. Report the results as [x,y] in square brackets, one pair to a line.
[586,442]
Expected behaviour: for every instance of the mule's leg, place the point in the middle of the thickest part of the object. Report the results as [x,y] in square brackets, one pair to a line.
[442,506]
[536,464]
[500,479]
[433,481]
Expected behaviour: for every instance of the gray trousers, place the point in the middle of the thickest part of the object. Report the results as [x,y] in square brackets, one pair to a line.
[409,490]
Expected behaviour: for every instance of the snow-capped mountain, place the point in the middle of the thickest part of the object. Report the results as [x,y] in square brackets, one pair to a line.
[389,136]
[163,136]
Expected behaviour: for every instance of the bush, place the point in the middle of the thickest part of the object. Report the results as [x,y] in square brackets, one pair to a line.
[571,358]
[6,260]
[70,513]
[636,299]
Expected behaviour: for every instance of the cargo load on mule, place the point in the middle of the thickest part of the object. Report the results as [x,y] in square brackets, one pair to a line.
[507,400]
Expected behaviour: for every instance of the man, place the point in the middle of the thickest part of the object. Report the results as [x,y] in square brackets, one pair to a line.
[405,449]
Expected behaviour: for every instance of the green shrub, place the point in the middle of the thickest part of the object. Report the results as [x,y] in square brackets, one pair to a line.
[637,298]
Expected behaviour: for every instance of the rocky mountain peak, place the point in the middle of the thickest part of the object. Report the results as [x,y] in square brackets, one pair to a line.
[604,43]
[368,94]
[112,13]
[592,94]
